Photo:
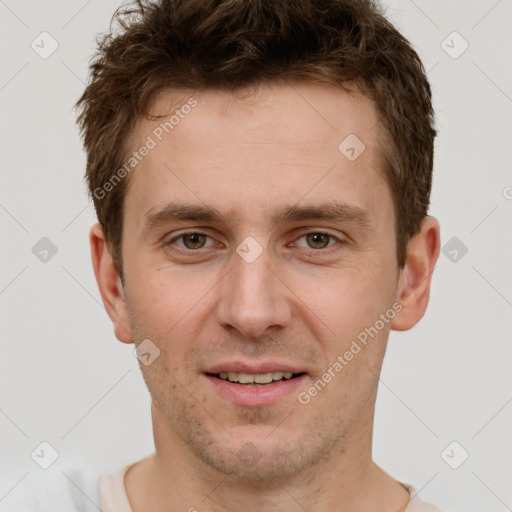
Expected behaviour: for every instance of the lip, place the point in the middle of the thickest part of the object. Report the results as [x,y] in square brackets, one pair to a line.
[248,395]
[253,368]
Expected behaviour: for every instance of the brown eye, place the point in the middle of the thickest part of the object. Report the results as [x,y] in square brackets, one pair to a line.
[193,240]
[190,241]
[318,240]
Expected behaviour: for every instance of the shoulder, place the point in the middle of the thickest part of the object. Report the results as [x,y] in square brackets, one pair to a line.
[113,497]
[417,504]
[73,490]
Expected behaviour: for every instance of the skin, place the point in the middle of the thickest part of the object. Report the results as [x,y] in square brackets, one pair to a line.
[298,303]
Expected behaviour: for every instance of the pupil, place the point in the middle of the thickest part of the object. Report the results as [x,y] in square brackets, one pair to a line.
[196,240]
[316,238]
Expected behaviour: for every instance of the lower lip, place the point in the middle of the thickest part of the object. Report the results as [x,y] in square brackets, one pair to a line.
[248,395]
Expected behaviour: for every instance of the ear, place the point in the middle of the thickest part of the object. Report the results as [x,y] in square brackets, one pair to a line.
[414,282]
[109,284]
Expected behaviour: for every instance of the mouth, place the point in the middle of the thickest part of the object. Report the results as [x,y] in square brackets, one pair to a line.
[255,379]
[253,386]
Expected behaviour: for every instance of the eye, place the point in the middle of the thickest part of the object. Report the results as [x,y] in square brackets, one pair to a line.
[317,240]
[191,240]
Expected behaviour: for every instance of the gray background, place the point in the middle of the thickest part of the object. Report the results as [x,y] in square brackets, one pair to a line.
[66,380]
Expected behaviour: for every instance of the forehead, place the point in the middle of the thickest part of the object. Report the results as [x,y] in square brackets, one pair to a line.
[243,152]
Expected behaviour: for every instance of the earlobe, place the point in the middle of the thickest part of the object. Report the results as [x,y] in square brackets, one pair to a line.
[414,283]
[109,284]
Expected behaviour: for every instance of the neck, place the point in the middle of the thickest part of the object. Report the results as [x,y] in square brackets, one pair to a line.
[345,480]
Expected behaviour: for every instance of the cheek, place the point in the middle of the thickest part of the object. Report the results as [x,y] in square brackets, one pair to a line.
[171,309]
[345,300]
[165,298]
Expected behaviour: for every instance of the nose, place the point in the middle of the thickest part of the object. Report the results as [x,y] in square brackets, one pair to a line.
[253,298]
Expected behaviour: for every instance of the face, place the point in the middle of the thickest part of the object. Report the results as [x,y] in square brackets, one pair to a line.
[253,247]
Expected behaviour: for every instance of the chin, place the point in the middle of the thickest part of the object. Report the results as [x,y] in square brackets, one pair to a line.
[264,460]
[254,447]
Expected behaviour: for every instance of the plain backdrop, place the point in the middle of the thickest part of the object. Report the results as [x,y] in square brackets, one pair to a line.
[67,381]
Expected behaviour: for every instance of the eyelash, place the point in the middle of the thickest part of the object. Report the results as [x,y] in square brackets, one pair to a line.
[326,250]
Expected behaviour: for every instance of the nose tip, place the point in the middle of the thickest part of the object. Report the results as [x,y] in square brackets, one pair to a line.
[252,298]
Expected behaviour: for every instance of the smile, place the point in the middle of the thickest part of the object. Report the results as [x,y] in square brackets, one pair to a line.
[255,389]
[256,379]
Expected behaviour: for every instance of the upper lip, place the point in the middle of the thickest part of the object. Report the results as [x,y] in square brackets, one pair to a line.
[254,368]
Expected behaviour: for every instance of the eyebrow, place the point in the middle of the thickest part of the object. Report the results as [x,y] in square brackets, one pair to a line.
[337,211]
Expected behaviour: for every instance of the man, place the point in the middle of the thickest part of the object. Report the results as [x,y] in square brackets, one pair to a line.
[261,172]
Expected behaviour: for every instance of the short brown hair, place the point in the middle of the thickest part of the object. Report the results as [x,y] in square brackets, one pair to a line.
[231,44]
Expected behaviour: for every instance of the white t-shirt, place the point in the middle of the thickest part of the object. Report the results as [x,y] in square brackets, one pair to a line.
[113,496]
[69,490]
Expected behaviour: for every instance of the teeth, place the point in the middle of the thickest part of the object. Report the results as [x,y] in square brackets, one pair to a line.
[258,378]
[262,378]
[245,378]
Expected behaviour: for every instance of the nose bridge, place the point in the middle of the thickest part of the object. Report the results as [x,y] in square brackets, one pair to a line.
[252,298]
